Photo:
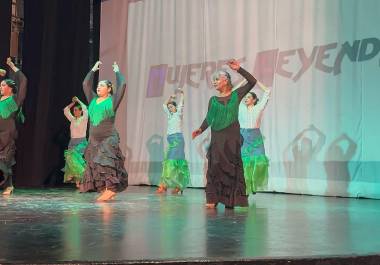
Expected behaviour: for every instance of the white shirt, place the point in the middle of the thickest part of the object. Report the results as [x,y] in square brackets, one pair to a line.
[78,127]
[250,117]
[174,119]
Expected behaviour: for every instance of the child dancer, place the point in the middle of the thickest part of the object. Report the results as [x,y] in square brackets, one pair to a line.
[255,162]
[175,172]
[75,163]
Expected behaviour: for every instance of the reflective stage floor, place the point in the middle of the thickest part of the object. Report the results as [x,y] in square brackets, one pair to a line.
[62,226]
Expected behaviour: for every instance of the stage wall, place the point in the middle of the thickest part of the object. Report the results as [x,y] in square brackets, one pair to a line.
[321,58]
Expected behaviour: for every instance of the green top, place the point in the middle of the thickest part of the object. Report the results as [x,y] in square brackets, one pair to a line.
[220,116]
[100,111]
[7,107]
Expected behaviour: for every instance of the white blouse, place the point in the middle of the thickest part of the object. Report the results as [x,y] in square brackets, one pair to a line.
[250,117]
[78,126]
[174,119]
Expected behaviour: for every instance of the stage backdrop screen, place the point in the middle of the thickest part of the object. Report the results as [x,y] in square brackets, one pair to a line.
[320,58]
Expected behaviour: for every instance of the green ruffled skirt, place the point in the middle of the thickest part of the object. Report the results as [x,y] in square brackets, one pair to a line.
[75,163]
[175,173]
[255,162]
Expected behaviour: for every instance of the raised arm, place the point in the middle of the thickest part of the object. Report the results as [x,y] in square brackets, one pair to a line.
[88,82]
[21,82]
[263,87]
[264,100]
[120,87]
[67,113]
[22,88]
[241,83]
[251,81]
[181,102]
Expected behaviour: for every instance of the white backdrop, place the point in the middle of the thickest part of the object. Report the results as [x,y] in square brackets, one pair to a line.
[321,59]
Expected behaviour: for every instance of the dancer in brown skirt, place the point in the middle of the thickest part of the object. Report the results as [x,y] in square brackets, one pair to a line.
[225,175]
[105,170]
[13,93]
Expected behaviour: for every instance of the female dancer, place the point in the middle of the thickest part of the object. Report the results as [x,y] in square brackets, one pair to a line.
[12,97]
[255,162]
[105,170]
[175,172]
[225,177]
[75,163]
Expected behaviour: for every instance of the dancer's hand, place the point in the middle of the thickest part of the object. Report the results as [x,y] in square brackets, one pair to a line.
[196,133]
[115,67]
[234,64]
[75,99]
[9,62]
[178,91]
[72,103]
[96,66]
[3,72]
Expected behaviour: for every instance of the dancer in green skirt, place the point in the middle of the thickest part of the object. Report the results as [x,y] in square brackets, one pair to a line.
[255,162]
[175,174]
[75,163]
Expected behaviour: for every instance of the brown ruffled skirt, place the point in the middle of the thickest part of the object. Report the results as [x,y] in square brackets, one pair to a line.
[225,174]
[7,154]
[105,166]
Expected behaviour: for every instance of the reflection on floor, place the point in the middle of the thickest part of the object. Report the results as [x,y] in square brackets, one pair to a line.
[55,225]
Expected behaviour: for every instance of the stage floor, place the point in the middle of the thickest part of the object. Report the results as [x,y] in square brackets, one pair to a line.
[57,225]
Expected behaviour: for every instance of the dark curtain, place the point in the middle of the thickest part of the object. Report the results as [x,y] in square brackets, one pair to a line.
[5,25]
[56,57]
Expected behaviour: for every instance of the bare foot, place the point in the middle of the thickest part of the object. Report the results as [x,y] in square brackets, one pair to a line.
[161,189]
[106,196]
[211,205]
[8,191]
[177,191]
